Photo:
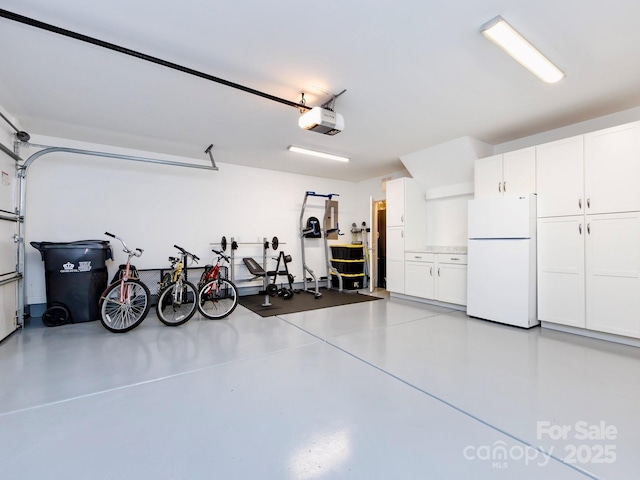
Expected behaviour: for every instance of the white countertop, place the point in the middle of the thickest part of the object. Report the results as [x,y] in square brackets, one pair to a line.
[441,249]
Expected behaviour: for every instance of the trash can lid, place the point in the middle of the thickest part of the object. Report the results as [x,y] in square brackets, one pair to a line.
[91,244]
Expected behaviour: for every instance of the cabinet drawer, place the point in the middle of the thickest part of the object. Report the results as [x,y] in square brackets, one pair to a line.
[419,257]
[452,258]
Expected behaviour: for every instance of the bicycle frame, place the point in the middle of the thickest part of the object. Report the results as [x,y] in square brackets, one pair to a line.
[125,296]
[213,273]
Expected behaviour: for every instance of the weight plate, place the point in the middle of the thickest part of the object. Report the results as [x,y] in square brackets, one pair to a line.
[288,294]
[272,290]
[223,243]
[274,243]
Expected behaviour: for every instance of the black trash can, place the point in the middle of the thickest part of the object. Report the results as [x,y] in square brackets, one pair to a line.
[75,276]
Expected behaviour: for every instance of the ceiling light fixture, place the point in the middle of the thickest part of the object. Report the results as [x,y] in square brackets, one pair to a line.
[315,153]
[506,37]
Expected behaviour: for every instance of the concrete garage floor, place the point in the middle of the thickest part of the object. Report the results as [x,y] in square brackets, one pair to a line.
[377,390]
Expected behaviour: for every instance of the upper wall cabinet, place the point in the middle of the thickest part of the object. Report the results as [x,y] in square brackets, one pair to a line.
[560,173]
[589,174]
[612,169]
[507,173]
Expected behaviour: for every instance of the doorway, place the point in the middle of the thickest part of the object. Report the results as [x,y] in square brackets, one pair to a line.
[379,244]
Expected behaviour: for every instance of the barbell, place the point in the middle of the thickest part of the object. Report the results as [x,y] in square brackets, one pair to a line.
[275,243]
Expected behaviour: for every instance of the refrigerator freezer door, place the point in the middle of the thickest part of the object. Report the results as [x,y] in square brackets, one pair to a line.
[507,216]
[501,281]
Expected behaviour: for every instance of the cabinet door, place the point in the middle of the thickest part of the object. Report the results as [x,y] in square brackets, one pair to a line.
[613,273]
[487,175]
[612,169]
[415,216]
[419,279]
[561,275]
[519,171]
[395,259]
[395,202]
[560,177]
[451,283]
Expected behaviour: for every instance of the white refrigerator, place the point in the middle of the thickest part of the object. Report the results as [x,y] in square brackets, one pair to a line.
[501,270]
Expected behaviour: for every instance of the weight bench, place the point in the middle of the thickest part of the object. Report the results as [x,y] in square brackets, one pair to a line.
[254,268]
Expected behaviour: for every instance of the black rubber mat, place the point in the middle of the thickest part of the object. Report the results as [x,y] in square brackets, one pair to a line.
[301,302]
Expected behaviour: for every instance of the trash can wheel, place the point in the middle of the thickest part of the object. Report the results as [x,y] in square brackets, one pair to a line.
[55,316]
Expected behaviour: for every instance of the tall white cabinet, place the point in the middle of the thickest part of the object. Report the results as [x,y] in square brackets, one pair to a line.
[406,227]
[589,231]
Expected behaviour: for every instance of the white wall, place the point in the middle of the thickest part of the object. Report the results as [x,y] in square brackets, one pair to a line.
[447,221]
[77,197]
[587,126]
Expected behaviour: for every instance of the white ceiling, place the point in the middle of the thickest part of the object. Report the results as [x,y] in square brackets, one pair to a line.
[417,74]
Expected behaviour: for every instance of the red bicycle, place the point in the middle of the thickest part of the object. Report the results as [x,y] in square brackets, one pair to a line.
[217,296]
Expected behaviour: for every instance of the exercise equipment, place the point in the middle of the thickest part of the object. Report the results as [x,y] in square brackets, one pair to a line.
[234,245]
[261,271]
[306,232]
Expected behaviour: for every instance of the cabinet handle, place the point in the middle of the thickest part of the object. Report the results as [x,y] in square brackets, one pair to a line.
[455,259]
[588,202]
[580,228]
[580,203]
[417,256]
[589,228]
[402,218]
[438,271]
[504,186]
[402,233]
[431,271]
[500,187]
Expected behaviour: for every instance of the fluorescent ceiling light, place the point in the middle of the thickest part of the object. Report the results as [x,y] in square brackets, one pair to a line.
[315,153]
[504,35]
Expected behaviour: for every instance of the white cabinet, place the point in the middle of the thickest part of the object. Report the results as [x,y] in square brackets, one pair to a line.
[512,172]
[612,169]
[560,177]
[419,274]
[407,207]
[589,272]
[395,259]
[561,274]
[451,280]
[395,202]
[441,277]
[406,227]
[589,174]
[612,264]
[589,231]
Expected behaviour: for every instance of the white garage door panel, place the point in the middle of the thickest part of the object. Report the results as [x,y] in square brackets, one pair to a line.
[8,307]
[8,248]
[8,253]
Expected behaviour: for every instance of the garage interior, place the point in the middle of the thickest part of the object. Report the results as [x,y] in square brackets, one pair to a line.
[172,124]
